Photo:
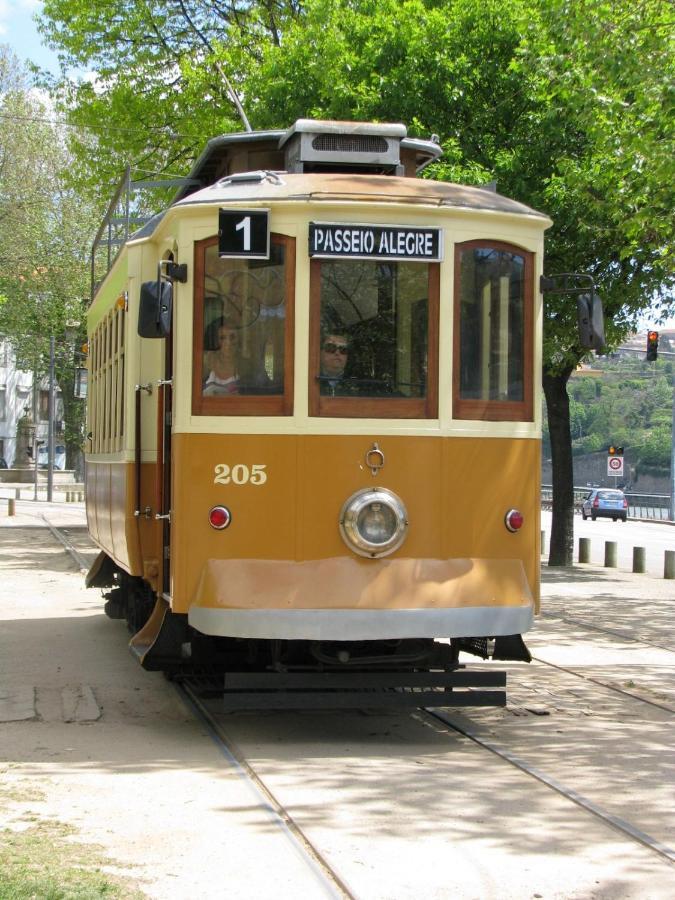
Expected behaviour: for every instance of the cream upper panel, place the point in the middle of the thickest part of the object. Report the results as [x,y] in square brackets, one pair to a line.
[183,227]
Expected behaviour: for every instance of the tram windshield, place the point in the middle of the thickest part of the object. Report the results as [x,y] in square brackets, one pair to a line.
[371,333]
[241,329]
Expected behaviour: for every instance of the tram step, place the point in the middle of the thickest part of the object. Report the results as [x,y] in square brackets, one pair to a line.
[336,690]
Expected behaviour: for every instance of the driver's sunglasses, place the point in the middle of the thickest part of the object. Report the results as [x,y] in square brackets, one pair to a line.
[330,347]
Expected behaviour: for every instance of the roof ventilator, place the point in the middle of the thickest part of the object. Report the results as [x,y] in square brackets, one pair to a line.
[323,146]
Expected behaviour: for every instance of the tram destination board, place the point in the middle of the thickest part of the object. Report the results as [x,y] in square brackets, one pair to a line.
[357,241]
[244,233]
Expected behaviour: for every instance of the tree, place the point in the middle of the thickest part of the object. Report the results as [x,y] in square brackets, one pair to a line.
[44,236]
[160,76]
[564,104]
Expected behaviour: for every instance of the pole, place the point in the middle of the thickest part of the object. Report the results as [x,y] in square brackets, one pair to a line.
[50,424]
[672,456]
[35,434]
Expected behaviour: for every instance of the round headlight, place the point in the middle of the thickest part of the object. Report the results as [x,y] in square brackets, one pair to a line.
[373,522]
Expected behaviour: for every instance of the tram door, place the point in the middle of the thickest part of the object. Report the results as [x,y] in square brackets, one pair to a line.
[156,321]
[164,422]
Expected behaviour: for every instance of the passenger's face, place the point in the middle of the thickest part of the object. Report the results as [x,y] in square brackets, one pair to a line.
[228,340]
[334,350]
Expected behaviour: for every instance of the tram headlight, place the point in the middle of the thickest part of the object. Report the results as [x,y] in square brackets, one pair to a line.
[373,522]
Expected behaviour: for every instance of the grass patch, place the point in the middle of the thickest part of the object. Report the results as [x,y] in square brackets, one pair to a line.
[40,863]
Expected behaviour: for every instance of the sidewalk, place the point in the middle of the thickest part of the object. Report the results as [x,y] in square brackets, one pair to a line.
[31,513]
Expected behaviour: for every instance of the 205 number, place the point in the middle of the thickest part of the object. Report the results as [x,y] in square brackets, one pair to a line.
[240,474]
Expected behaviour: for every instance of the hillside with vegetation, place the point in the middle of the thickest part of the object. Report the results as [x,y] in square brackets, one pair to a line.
[625,401]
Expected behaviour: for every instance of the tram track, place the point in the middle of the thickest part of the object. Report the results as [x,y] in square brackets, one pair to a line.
[332,883]
[604,684]
[592,627]
[616,822]
[61,535]
[424,716]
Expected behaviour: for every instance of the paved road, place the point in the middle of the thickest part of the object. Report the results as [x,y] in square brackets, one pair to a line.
[655,537]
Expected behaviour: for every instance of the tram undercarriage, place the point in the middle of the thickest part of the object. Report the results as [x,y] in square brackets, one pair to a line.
[254,673]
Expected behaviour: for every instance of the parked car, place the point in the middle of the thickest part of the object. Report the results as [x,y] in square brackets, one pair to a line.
[3,462]
[59,456]
[605,503]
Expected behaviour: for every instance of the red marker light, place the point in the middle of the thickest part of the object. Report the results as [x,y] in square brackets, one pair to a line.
[220,517]
[514,520]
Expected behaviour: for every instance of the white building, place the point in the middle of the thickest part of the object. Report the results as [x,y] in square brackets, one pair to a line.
[17,397]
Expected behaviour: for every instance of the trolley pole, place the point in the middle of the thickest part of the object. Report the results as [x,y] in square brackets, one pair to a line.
[50,424]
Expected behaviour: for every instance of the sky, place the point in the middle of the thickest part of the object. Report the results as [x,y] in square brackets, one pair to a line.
[17,29]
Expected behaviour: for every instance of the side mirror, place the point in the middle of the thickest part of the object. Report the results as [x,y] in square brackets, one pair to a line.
[591,322]
[81,382]
[154,314]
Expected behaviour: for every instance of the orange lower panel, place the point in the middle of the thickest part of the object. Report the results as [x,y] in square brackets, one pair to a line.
[345,583]
[456,490]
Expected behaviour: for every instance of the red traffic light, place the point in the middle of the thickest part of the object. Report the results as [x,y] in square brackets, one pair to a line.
[652,345]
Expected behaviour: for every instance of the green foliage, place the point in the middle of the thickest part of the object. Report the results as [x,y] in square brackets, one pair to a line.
[633,410]
[567,106]
[45,231]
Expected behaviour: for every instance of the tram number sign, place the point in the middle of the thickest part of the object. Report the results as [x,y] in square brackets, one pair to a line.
[244,233]
[358,241]
[615,465]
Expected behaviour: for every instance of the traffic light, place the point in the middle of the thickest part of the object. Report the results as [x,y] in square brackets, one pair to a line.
[615,451]
[652,345]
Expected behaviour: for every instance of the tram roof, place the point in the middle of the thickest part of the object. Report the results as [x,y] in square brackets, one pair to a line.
[280,186]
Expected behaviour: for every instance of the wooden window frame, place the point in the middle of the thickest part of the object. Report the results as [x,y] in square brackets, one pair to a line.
[496,410]
[373,407]
[248,404]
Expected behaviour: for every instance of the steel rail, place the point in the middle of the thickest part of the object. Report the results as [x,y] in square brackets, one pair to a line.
[327,877]
[615,822]
[619,634]
[62,538]
[604,684]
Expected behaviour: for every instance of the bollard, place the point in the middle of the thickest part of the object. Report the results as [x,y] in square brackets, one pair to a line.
[610,554]
[669,564]
[11,507]
[80,497]
[17,493]
[639,564]
[543,541]
[584,550]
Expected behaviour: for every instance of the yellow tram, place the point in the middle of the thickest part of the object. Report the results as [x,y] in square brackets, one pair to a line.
[314,416]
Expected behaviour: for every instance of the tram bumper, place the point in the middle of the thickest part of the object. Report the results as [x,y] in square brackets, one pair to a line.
[359,600]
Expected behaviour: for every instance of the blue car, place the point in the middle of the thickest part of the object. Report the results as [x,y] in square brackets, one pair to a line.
[605,503]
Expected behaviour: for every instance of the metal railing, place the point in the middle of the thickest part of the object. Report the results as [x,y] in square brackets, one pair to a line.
[640,506]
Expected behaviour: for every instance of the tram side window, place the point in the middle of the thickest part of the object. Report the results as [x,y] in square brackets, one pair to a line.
[372,354]
[243,331]
[493,332]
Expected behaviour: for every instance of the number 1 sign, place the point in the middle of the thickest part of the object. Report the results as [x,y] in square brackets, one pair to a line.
[244,233]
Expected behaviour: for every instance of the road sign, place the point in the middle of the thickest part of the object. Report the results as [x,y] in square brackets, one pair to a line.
[615,466]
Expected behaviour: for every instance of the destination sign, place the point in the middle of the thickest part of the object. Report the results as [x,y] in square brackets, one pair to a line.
[328,239]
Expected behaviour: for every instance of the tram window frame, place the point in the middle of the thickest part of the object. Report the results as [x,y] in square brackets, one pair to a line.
[243,404]
[354,407]
[496,410]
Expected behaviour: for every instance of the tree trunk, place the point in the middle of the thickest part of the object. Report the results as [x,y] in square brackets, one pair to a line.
[562,521]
